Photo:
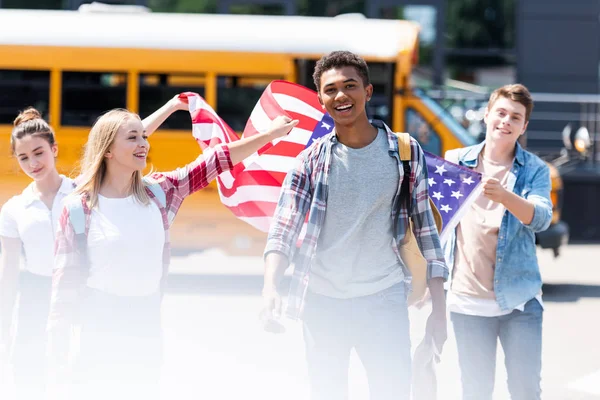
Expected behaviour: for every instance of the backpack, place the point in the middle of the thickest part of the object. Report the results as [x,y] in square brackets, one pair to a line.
[409,248]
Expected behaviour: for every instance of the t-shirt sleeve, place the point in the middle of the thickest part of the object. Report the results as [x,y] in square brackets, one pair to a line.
[8,222]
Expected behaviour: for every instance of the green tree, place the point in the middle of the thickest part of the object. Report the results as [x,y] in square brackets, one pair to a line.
[183,6]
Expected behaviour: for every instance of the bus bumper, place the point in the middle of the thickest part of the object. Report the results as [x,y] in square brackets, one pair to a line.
[553,237]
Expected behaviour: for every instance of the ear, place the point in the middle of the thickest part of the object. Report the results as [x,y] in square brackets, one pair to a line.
[54,150]
[369,90]
[524,128]
[485,115]
[320,100]
[108,154]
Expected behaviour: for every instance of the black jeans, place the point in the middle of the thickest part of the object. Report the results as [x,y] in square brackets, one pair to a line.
[376,326]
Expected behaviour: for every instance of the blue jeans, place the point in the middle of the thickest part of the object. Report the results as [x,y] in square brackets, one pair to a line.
[520,334]
[376,326]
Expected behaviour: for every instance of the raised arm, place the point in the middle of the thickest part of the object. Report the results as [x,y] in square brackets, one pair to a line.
[156,119]
[199,173]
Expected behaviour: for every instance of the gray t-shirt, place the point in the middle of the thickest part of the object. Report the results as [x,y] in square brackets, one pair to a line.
[354,254]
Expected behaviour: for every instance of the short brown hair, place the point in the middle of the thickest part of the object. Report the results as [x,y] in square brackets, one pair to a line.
[515,92]
[30,122]
[339,59]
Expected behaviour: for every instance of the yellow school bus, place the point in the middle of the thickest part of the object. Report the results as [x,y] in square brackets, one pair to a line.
[73,66]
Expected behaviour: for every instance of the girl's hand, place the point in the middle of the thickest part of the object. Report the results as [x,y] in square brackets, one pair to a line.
[281,126]
[179,102]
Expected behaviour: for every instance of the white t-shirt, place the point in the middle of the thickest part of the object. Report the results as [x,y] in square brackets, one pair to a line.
[27,218]
[480,307]
[125,247]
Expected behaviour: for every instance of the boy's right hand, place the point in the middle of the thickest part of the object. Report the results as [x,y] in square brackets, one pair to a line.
[271,311]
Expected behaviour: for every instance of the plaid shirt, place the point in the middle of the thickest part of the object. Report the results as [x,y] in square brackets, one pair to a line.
[71,267]
[305,191]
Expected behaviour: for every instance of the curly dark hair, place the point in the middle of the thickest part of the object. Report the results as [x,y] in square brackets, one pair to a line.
[339,59]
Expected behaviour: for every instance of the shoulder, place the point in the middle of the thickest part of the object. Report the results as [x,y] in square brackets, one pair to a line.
[312,153]
[12,206]
[534,164]
[156,180]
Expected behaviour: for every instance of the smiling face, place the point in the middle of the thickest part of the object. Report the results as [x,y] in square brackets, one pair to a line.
[505,121]
[36,156]
[130,147]
[343,94]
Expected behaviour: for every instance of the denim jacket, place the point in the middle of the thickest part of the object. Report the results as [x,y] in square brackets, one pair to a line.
[517,275]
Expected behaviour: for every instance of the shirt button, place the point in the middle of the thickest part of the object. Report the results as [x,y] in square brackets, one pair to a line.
[499,259]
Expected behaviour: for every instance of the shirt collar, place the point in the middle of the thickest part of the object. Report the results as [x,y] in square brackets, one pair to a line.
[472,155]
[30,196]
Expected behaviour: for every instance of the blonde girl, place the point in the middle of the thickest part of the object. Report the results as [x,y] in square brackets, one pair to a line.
[109,275]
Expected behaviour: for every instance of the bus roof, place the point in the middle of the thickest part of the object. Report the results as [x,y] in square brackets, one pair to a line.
[370,38]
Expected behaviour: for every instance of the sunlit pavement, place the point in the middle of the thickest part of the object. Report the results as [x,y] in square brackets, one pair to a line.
[215,348]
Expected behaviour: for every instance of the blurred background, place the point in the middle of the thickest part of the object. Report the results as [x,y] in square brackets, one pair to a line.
[465,49]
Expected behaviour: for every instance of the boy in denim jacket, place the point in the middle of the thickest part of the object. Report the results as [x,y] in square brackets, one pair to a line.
[495,290]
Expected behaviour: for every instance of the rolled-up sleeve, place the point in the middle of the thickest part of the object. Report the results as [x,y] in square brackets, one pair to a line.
[424,226]
[289,216]
[200,172]
[539,196]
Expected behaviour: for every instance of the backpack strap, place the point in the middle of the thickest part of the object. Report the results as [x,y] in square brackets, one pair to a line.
[157,191]
[405,154]
[77,217]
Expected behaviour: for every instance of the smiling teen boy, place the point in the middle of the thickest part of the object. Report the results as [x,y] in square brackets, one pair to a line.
[496,286]
[349,283]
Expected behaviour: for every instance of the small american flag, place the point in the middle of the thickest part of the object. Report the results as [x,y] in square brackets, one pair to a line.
[251,189]
[453,189]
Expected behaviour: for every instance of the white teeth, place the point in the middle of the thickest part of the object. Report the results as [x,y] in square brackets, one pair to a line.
[342,108]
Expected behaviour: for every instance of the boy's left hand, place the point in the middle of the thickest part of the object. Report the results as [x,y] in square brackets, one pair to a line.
[493,189]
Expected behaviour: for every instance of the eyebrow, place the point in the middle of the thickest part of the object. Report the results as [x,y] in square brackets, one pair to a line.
[514,113]
[34,150]
[346,81]
[135,131]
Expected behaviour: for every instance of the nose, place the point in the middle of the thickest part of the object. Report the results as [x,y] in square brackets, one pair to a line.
[340,95]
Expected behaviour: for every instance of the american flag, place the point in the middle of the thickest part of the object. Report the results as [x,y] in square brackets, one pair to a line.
[453,189]
[251,189]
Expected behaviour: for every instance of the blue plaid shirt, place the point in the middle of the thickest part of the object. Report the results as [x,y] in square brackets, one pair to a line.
[304,191]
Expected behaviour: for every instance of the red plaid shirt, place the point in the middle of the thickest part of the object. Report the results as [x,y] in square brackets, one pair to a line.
[71,267]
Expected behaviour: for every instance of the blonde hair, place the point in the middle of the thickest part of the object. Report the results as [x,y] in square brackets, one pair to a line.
[93,164]
[29,122]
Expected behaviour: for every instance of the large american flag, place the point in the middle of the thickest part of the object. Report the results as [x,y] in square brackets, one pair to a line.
[453,189]
[251,189]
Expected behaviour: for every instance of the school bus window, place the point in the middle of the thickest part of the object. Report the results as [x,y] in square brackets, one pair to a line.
[418,127]
[87,95]
[20,89]
[382,79]
[157,89]
[237,96]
